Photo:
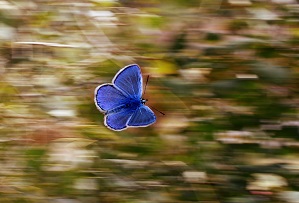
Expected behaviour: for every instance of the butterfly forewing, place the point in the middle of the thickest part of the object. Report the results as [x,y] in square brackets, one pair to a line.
[143,116]
[129,80]
[107,97]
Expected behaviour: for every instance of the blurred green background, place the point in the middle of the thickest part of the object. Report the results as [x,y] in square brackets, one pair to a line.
[225,73]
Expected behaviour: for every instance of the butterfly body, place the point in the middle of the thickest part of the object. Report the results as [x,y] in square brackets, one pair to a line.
[131,104]
[122,102]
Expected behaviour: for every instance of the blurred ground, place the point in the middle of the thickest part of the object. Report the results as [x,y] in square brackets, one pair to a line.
[225,73]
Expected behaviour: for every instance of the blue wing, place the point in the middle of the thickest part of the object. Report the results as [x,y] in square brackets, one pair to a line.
[107,97]
[118,121]
[143,116]
[129,81]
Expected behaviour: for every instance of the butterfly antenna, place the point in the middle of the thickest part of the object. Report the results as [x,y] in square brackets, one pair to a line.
[144,94]
[158,111]
[145,84]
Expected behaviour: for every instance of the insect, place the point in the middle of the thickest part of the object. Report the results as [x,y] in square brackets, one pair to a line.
[121,101]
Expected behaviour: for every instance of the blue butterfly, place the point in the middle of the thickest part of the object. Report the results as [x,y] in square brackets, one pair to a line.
[121,101]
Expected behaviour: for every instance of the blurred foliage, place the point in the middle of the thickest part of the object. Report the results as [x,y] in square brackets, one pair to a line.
[224,72]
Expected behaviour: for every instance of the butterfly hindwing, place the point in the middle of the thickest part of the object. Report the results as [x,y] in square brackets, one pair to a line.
[143,116]
[118,121]
[129,80]
[108,97]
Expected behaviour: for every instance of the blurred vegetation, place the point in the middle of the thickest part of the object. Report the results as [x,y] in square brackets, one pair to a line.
[225,73]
